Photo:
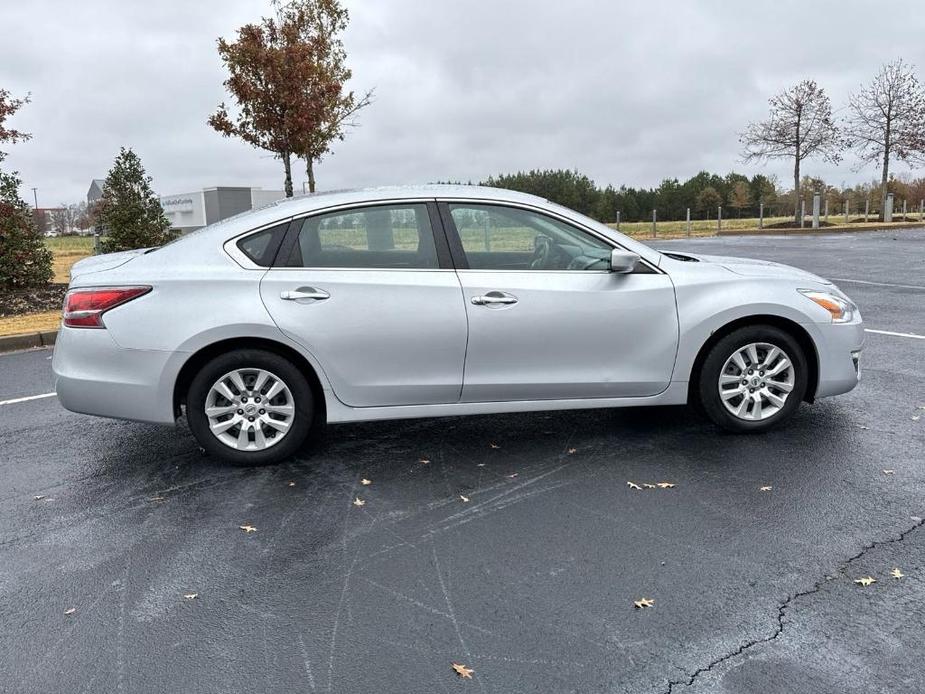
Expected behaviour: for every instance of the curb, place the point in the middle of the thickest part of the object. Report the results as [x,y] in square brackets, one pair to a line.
[12,343]
[839,229]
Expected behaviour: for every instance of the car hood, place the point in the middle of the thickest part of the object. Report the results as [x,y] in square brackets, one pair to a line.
[107,261]
[749,267]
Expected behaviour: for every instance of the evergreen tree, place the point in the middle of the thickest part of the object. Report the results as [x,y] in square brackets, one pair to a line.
[129,211]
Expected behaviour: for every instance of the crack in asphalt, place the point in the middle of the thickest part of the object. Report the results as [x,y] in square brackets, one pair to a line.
[782,608]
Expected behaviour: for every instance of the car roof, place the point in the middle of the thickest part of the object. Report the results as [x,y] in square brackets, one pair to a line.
[310,202]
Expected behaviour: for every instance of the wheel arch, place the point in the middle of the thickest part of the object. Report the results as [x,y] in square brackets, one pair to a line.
[792,328]
[205,354]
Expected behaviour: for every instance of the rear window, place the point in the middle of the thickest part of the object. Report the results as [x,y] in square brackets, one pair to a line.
[262,246]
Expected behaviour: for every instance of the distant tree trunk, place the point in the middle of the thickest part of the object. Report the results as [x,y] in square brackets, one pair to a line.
[310,170]
[884,179]
[287,164]
[796,191]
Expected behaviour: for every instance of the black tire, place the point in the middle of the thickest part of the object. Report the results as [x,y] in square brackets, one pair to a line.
[708,394]
[294,379]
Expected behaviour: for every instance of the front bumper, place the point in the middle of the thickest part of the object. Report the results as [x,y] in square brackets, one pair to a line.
[840,346]
[93,375]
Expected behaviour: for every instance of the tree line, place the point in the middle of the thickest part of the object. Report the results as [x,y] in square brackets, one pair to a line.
[703,193]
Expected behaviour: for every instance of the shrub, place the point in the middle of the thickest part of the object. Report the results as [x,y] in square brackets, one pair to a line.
[24,260]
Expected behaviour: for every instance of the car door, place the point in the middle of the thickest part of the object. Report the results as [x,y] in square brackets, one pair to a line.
[547,317]
[371,293]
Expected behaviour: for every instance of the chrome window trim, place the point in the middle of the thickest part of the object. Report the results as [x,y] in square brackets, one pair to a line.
[231,248]
[359,269]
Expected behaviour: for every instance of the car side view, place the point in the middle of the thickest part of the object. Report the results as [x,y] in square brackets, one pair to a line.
[431,301]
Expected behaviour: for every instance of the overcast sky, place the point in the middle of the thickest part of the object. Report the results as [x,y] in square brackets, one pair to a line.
[626,92]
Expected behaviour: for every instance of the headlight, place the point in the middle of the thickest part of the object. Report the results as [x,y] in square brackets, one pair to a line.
[840,308]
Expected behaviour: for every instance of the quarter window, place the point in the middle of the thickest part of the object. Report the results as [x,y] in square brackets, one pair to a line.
[508,238]
[387,236]
[262,246]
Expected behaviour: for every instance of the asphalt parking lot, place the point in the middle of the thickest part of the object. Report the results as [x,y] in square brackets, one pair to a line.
[509,544]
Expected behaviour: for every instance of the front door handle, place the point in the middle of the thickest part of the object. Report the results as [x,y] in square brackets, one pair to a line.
[304,293]
[494,297]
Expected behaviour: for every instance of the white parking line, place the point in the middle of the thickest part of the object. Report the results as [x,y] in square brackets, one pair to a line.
[879,332]
[878,284]
[27,398]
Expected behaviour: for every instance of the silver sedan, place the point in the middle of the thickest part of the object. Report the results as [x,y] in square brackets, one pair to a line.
[431,301]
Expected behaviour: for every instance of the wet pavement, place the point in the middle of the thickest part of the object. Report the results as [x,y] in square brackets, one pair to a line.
[517,549]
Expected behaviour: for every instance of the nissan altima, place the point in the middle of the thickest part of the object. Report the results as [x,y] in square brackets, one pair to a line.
[429,301]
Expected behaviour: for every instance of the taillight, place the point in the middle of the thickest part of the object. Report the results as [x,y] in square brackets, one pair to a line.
[84,308]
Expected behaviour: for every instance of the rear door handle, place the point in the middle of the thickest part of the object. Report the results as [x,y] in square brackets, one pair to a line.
[494,297]
[304,293]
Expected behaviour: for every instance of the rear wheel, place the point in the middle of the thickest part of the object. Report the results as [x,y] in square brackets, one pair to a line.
[753,379]
[250,407]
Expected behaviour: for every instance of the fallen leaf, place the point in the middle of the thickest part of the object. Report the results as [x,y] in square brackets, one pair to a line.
[861,426]
[896,573]
[494,445]
[889,472]
[633,485]
[424,461]
[38,497]
[359,502]
[365,482]
[765,489]
[464,498]
[866,581]
[572,450]
[644,602]
[248,528]
[290,484]
[191,596]
[666,485]
[70,610]
[463,671]
[512,476]
[649,486]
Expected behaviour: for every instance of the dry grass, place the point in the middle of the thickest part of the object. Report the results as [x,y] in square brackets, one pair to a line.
[30,323]
[674,230]
[67,250]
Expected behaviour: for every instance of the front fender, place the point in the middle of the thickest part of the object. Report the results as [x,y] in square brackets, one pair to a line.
[705,308]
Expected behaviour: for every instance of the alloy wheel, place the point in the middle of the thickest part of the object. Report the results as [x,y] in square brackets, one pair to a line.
[249,409]
[756,381]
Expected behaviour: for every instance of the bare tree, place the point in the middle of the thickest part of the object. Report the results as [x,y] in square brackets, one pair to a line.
[800,126]
[887,120]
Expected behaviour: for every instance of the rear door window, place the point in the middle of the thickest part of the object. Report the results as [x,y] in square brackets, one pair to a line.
[383,236]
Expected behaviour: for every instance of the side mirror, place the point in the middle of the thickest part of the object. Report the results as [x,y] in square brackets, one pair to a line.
[622,261]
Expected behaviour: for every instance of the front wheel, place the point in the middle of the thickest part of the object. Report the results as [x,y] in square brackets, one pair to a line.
[753,379]
[250,407]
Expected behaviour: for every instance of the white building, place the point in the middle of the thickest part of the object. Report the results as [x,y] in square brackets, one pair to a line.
[190,211]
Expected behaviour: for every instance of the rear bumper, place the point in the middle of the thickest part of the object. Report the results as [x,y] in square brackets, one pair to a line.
[840,346]
[93,375]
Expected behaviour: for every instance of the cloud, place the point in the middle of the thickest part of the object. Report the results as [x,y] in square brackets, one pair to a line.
[625,92]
